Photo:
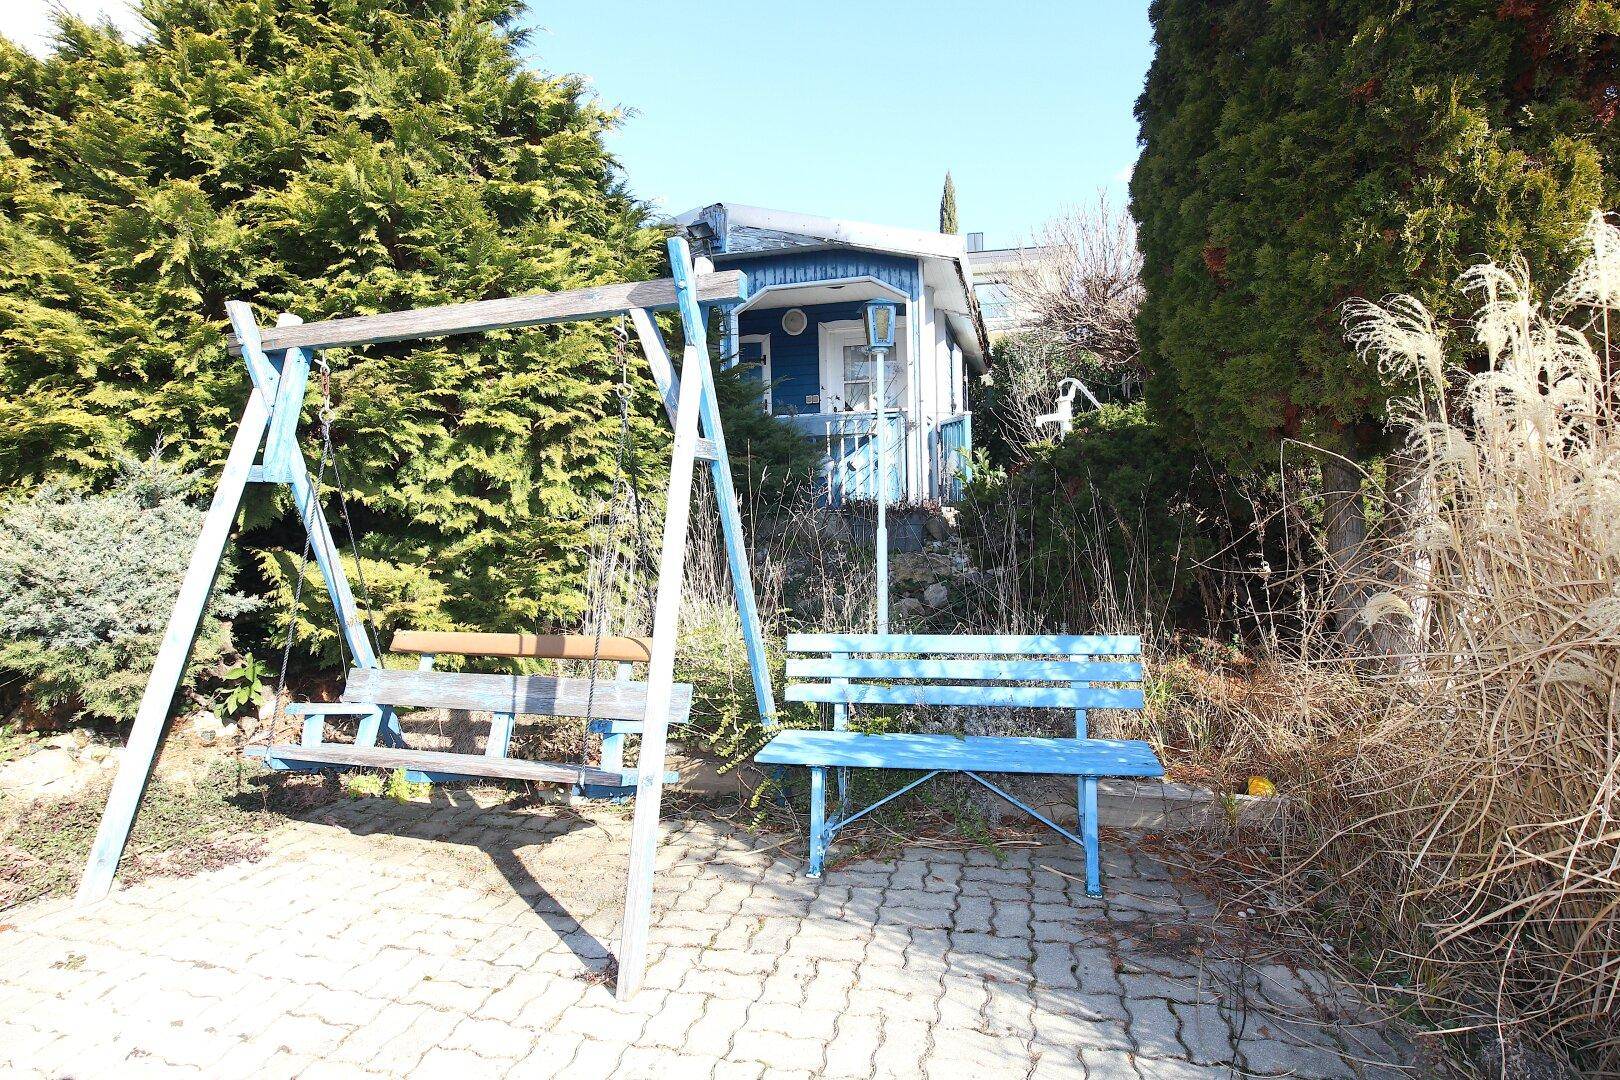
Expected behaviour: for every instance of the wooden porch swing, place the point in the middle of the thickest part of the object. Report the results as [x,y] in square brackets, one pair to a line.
[278,362]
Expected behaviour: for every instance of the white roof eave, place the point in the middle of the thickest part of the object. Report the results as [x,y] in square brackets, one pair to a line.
[966,319]
[773,296]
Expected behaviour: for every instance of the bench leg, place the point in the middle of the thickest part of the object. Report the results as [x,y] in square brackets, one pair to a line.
[500,735]
[1088,833]
[818,819]
[611,757]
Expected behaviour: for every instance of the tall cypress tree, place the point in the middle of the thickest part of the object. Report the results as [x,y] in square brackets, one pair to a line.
[324,157]
[947,206]
[1297,154]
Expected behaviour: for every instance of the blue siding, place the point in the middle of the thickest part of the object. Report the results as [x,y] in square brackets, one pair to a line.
[799,267]
[796,359]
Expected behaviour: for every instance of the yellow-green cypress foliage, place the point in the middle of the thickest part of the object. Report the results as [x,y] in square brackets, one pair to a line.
[325,157]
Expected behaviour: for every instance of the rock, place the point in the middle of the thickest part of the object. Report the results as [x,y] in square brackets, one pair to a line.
[938,528]
[65,741]
[228,733]
[207,727]
[94,752]
[908,607]
[936,595]
[51,772]
[267,707]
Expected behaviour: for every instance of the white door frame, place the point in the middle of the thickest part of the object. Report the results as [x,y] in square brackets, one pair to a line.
[831,339]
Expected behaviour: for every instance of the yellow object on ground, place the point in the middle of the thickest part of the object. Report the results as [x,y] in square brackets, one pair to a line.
[1261,788]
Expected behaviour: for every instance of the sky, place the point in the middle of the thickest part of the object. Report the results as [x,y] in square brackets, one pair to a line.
[845,107]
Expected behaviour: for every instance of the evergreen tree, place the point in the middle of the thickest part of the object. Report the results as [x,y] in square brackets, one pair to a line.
[1298,154]
[324,157]
[947,206]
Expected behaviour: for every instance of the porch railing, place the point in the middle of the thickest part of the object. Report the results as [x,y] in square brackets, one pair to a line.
[848,458]
[952,464]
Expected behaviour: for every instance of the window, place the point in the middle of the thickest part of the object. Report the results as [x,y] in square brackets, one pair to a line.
[996,302]
[848,368]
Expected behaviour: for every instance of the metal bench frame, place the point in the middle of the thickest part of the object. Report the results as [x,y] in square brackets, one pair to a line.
[998,671]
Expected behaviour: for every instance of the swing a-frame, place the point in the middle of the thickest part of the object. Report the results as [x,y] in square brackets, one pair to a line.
[278,362]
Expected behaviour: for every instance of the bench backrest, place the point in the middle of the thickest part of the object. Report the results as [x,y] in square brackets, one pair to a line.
[538,695]
[1053,671]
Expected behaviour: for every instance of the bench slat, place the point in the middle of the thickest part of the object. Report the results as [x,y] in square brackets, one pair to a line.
[1054,697]
[329,708]
[1073,757]
[960,644]
[963,670]
[538,695]
[435,761]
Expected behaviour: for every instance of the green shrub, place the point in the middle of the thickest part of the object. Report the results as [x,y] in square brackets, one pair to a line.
[1299,154]
[1108,523]
[773,464]
[87,583]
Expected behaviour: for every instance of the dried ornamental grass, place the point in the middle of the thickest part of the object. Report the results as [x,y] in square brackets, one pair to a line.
[1492,785]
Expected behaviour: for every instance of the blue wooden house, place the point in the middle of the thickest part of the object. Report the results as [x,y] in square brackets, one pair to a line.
[809,279]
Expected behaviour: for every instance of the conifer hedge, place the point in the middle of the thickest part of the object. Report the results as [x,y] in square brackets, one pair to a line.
[1297,154]
[325,157]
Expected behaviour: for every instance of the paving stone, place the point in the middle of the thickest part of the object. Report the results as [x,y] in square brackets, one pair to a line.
[1153,1028]
[1206,1035]
[461,1063]
[722,1018]
[853,1048]
[490,1039]
[369,947]
[594,1058]
[774,1049]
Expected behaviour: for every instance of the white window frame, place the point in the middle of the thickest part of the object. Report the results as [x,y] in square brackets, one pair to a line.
[834,336]
[765,368]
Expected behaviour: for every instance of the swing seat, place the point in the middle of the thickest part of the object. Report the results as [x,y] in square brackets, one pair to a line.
[372,694]
[432,765]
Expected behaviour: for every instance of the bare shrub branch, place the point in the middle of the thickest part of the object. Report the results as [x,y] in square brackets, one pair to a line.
[1085,287]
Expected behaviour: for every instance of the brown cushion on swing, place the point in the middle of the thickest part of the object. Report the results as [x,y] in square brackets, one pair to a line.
[634,650]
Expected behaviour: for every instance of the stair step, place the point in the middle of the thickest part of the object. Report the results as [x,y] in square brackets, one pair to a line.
[434,761]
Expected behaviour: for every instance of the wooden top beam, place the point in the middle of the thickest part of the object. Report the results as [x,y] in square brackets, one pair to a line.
[480,315]
[633,650]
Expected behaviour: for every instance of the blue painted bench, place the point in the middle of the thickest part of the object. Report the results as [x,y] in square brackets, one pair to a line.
[998,671]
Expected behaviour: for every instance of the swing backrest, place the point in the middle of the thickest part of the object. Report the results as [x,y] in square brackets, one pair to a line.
[532,695]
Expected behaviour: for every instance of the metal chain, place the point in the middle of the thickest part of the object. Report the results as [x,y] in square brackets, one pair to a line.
[366,620]
[311,502]
[312,508]
[621,343]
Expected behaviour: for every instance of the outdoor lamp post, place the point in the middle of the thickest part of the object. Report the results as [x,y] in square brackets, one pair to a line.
[880,317]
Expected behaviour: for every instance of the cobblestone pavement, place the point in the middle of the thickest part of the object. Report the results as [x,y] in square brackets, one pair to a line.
[465,941]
